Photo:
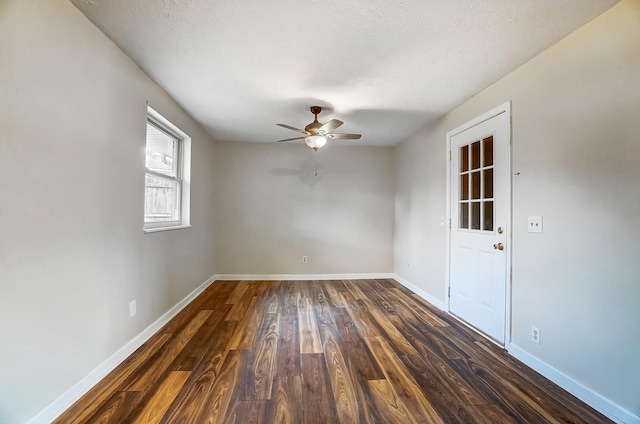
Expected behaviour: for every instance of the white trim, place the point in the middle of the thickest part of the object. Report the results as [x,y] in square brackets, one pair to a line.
[62,403]
[503,108]
[417,290]
[607,407]
[301,277]
[184,172]
[158,229]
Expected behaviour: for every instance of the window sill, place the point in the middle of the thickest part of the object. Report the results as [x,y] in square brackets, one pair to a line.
[158,229]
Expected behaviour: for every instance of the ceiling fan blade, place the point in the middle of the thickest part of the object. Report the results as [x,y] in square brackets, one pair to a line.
[329,126]
[344,136]
[292,128]
[290,139]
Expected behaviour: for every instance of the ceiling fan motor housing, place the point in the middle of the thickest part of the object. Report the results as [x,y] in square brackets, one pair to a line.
[313,127]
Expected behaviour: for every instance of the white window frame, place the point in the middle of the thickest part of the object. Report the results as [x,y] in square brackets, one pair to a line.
[183,174]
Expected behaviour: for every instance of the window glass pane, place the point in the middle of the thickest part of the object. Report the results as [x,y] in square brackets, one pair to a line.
[464,215]
[487,151]
[161,199]
[464,158]
[475,216]
[487,183]
[161,152]
[475,155]
[475,185]
[464,187]
[487,220]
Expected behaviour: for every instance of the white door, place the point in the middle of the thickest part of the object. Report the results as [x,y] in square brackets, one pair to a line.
[480,202]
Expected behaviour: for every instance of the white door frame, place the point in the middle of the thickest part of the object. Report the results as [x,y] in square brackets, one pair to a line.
[503,108]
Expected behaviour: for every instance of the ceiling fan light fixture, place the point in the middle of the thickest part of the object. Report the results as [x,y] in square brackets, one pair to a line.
[315,141]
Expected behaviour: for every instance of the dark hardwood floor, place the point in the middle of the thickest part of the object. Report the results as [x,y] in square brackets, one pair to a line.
[365,351]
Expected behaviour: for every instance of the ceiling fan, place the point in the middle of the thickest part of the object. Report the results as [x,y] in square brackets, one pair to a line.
[317,134]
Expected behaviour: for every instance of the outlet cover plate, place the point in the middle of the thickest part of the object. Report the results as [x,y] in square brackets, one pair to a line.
[534,224]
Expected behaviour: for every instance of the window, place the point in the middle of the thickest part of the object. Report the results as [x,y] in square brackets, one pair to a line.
[167,172]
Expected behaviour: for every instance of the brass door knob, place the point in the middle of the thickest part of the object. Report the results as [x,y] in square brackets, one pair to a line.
[498,246]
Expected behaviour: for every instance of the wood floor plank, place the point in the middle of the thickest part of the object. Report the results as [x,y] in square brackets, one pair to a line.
[308,328]
[192,398]
[342,384]
[168,354]
[288,355]
[215,407]
[388,403]
[250,412]
[238,292]
[391,332]
[290,295]
[192,353]
[438,383]
[316,394]
[332,294]
[403,302]
[403,383]
[378,354]
[258,380]
[421,335]
[354,347]
[354,289]
[286,406]
[156,406]
[248,329]
[117,408]
[491,414]
[360,316]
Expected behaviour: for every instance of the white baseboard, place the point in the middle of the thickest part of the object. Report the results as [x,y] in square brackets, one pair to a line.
[417,290]
[58,406]
[579,390]
[301,277]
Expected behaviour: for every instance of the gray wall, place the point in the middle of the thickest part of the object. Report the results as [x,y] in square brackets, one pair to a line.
[576,126]
[72,251]
[272,209]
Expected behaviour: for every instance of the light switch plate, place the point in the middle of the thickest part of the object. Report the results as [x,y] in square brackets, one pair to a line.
[534,224]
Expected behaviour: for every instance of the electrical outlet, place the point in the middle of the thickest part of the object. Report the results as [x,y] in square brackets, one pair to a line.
[132,308]
[304,260]
[535,334]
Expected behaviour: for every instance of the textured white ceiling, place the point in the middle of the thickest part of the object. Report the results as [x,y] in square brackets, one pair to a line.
[386,68]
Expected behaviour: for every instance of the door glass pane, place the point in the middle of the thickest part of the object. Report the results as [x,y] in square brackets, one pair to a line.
[464,187]
[475,155]
[464,158]
[475,216]
[464,215]
[475,185]
[487,220]
[487,151]
[487,183]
